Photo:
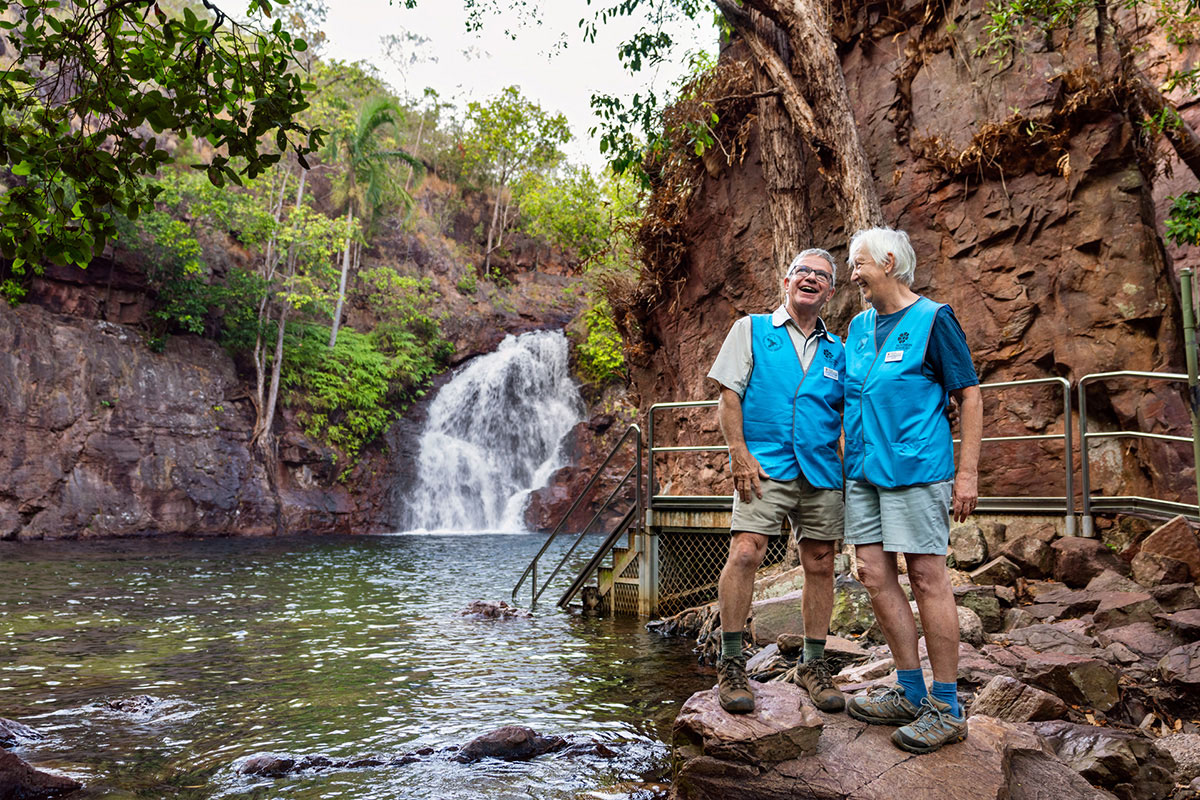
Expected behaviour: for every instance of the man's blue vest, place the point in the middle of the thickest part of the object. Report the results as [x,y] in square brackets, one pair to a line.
[897,433]
[791,419]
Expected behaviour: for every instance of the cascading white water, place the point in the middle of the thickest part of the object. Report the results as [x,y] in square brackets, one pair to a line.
[493,436]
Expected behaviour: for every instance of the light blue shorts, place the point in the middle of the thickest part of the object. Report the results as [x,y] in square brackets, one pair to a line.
[914,519]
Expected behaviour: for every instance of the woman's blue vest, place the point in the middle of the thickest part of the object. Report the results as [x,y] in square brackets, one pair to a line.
[791,419]
[897,433]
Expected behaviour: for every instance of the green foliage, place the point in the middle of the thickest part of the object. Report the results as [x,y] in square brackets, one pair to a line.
[175,271]
[87,76]
[509,134]
[341,392]
[577,210]
[468,283]
[1183,220]
[601,358]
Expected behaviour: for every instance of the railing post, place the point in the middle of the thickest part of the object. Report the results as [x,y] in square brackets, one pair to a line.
[650,456]
[1189,343]
[1088,530]
[1069,457]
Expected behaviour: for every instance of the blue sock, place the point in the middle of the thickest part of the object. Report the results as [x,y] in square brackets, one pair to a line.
[913,684]
[948,693]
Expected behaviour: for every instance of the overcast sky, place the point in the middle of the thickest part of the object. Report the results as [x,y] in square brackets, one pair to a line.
[462,66]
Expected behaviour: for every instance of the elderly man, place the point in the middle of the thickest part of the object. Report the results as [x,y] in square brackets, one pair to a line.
[780,410]
[904,356]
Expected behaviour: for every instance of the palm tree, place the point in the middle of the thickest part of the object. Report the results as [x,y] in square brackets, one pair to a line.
[369,184]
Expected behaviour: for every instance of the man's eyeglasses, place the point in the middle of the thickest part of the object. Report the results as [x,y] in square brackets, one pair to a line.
[803,271]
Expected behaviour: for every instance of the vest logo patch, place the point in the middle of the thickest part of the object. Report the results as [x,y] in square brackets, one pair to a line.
[902,338]
[863,342]
[893,355]
[828,354]
[831,373]
[772,342]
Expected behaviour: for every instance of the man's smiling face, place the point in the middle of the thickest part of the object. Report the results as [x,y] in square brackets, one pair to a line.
[808,292]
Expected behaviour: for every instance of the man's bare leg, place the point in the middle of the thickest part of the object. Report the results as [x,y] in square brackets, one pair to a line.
[735,590]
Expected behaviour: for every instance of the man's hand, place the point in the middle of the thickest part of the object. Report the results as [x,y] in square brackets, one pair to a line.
[965,495]
[747,474]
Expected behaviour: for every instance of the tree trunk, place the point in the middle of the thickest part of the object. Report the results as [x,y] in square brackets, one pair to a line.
[487,259]
[782,159]
[816,99]
[270,262]
[341,297]
[415,153]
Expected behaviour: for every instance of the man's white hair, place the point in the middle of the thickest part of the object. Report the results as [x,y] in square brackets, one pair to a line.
[878,242]
[814,251]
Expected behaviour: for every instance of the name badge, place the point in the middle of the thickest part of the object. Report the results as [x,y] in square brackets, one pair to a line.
[831,373]
[894,355]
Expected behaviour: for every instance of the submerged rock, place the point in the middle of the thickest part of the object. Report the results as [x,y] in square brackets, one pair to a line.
[12,733]
[481,609]
[20,781]
[510,743]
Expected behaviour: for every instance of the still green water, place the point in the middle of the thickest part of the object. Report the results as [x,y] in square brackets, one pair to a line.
[340,646]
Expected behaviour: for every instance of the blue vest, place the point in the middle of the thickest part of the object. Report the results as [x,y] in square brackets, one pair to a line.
[897,433]
[791,419]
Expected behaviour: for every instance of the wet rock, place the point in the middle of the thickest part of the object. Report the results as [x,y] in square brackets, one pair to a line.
[1008,699]
[969,546]
[1155,569]
[20,781]
[481,609]
[854,760]
[268,765]
[999,570]
[1032,554]
[1076,679]
[1127,764]
[1185,623]
[1176,539]
[1124,608]
[510,743]
[1142,638]
[784,725]
[1181,666]
[276,765]
[13,733]
[983,601]
[1077,561]
[1185,749]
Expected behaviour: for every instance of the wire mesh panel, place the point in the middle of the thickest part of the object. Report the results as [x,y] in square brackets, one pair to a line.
[689,564]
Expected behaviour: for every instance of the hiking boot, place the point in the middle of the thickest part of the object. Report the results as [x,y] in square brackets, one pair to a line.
[935,727]
[883,707]
[817,679]
[732,687]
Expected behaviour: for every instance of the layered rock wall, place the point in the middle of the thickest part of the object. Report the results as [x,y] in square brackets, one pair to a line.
[1027,191]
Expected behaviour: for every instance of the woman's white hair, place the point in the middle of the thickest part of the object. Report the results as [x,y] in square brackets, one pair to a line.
[878,242]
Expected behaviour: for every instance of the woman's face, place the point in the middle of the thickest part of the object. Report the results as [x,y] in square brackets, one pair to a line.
[870,275]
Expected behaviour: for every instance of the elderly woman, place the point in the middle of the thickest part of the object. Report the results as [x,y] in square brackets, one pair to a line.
[904,356]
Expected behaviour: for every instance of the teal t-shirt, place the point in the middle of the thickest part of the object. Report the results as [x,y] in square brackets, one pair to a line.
[947,359]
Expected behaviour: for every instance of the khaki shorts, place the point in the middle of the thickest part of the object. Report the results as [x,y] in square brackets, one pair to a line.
[814,513]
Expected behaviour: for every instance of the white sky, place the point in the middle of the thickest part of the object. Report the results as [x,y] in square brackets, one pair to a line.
[559,79]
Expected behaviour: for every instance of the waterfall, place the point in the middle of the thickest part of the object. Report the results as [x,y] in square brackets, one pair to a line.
[493,436]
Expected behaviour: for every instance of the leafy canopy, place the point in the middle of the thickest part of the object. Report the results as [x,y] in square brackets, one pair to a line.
[510,134]
[91,85]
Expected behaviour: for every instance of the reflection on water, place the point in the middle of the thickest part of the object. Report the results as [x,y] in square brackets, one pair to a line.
[343,647]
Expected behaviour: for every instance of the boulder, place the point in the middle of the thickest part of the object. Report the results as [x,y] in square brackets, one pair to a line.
[1124,608]
[1078,560]
[1113,581]
[994,534]
[1142,638]
[776,616]
[1017,618]
[20,781]
[983,601]
[1185,623]
[1076,679]
[999,570]
[1031,553]
[1155,569]
[766,663]
[785,725]
[852,612]
[1185,749]
[1176,596]
[1127,764]
[1181,665]
[1074,602]
[969,546]
[13,733]
[998,760]
[1047,638]
[1178,540]
[1008,699]
[510,743]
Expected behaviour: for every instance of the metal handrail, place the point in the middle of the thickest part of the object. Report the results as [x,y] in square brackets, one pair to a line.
[531,570]
[1124,502]
[1065,503]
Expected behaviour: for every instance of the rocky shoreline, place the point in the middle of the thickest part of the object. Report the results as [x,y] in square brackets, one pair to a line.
[1079,668]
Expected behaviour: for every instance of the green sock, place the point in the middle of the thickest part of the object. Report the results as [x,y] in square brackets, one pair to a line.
[731,644]
[813,649]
